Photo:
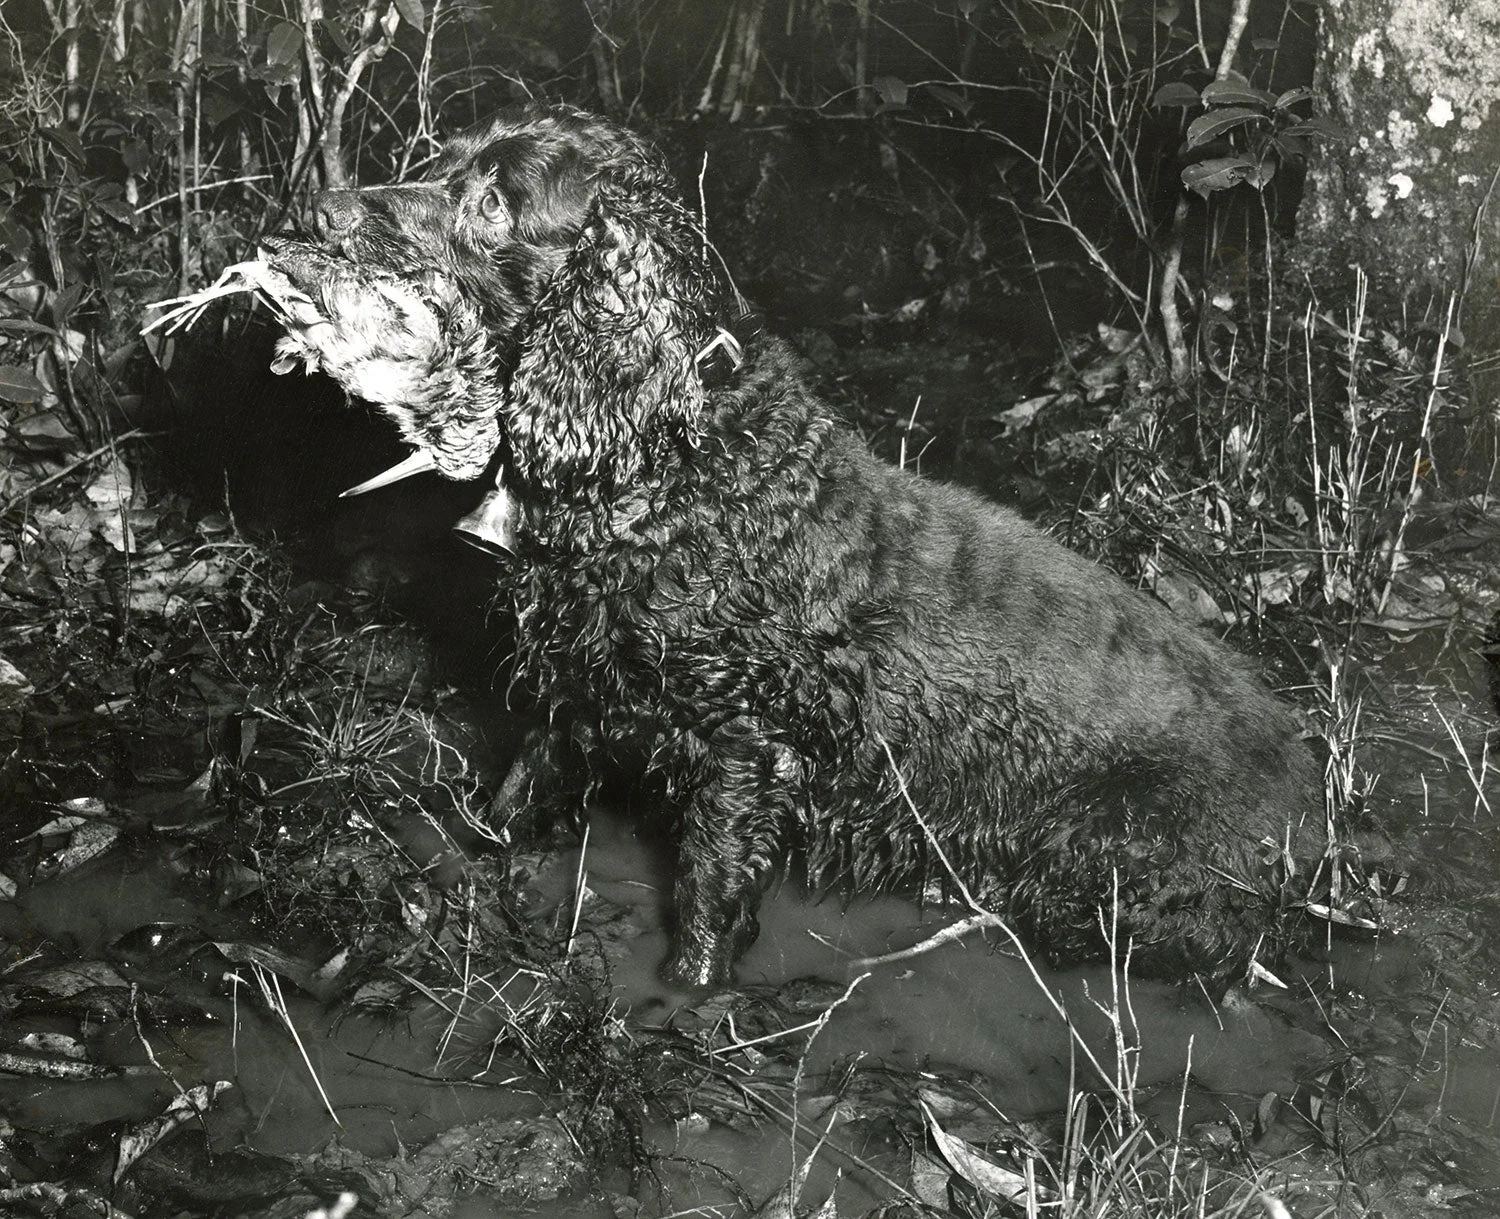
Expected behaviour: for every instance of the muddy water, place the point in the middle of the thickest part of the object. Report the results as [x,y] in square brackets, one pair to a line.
[1415,1005]
[1019,1037]
[967,1011]
[971,1007]
[378,1075]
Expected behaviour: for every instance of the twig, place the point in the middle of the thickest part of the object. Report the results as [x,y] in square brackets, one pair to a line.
[270,989]
[1000,924]
[1239,18]
[818,1025]
[200,188]
[815,1025]
[16,500]
[448,1081]
[579,888]
[950,933]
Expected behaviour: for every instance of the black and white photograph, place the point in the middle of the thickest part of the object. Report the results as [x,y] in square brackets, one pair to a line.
[643,609]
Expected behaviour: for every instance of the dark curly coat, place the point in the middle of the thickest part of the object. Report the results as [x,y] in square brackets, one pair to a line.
[708,563]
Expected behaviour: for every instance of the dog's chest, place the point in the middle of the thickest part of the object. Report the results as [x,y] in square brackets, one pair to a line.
[690,637]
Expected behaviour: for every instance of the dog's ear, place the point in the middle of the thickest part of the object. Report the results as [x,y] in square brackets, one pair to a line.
[607,384]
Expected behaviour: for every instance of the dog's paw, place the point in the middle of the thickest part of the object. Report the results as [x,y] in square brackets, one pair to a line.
[704,960]
[686,970]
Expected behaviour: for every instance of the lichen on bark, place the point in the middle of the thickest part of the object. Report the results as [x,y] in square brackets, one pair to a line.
[1417,85]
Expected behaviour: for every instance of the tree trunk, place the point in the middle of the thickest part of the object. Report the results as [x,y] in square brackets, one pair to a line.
[1411,198]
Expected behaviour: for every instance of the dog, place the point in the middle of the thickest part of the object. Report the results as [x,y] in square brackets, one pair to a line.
[822,656]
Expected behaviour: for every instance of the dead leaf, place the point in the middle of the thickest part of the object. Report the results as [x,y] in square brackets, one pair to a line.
[112,488]
[186,1107]
[65,981]
[166,586]
[59,1045]
[1259,973]
[1341,917]
[88,841]
[1276,585]
[15,687]
[983,1174]
[1265,1113]
[1022,414]
[302,973]
[44,432]
[1187,597]
[1115,340]
[929,1181]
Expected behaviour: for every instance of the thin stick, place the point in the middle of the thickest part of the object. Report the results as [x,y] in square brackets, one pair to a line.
[278,1005]
[815,1025]
[950,933]
[200,188]
[578,890]
[68,469]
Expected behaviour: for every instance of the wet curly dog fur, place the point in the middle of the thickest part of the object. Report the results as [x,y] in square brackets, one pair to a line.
[824,658]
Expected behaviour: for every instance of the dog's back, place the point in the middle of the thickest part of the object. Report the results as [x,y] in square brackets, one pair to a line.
[1067,740]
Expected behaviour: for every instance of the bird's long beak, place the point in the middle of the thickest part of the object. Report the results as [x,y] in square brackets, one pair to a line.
[417,463]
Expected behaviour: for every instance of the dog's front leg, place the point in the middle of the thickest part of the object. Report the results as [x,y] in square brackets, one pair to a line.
[546,783]
[730,829]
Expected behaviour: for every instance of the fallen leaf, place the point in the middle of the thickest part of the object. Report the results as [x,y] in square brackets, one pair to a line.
[1022,414]
[983,1174]
[15,686]
[186,1107]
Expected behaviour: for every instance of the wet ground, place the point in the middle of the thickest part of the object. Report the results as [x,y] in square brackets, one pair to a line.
[1371,1080]
[1394,1033]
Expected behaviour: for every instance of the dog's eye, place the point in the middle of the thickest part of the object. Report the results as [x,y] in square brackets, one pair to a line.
[492,208]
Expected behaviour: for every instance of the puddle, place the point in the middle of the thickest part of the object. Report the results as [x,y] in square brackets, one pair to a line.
[967,1008]
[967,1018]
[380,1076]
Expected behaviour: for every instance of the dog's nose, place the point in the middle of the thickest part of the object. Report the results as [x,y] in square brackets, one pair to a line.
[335,212]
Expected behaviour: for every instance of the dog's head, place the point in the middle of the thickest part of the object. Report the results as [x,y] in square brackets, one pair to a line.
[568,288]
